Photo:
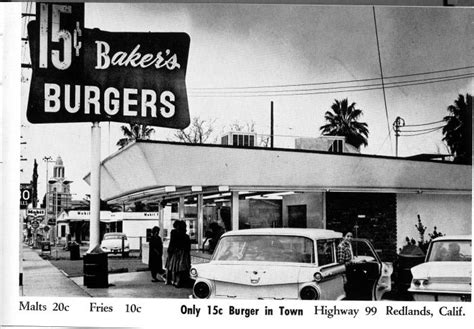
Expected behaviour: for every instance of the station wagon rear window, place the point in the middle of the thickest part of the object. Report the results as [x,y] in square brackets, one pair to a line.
[265,248]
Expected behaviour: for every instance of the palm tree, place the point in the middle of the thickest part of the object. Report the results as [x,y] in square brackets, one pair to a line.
[458,130]
[342,121]
[133,132]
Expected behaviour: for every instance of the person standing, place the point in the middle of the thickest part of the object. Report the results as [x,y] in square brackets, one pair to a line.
[171,248]
[344,250]
[345,257]
[155,257]
[180,261]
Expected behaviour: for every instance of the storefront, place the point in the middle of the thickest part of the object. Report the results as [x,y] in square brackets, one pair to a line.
[74,225]
[262,187]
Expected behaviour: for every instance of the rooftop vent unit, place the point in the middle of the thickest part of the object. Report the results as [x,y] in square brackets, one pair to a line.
[239,138]
[334,144]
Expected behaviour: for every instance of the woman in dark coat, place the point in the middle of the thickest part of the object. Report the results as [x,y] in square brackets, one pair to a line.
[171,248]
[155,257]
[179,263]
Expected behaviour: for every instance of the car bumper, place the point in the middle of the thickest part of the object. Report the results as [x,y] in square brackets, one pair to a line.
[115,250]
[440,296]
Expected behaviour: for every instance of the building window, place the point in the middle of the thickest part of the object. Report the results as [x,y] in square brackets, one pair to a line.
[297,216]
[235,140]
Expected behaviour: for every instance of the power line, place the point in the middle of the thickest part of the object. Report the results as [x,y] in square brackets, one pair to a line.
[422,133]
[381,74]
[383,143]
[387,85]
[424,124]
[330,82]
[426,129]
[333,91]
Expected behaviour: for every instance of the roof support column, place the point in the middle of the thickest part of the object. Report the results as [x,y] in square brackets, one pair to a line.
[161,219]
[200,220]
[181,208]
[235,210]
[94,224]
[323,206]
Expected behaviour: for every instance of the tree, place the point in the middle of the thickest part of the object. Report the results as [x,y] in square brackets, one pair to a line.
[34,185]
[247,126]
[133,132]
[458,129]
[264,140]
[343,121]
[198,132]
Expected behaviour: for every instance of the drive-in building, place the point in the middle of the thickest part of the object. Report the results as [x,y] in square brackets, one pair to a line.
[244,187]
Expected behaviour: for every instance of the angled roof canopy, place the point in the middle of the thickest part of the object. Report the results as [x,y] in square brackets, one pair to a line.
[149,170]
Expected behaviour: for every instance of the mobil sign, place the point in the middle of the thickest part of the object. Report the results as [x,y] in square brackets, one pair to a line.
[89,75]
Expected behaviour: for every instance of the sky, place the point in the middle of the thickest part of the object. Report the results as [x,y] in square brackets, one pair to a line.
[236,46]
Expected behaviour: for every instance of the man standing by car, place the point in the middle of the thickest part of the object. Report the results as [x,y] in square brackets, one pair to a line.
[155,259]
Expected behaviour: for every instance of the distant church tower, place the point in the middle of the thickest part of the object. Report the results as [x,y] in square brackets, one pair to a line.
[59,196]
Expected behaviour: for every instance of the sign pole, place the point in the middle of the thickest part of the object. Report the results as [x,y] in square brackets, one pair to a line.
[94,237]
[21,251]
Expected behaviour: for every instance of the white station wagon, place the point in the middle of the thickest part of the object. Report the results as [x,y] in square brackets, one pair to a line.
[446,274]
[287,263]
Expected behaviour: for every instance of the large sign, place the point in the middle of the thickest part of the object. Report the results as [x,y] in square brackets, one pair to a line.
[25,195]
[89,75]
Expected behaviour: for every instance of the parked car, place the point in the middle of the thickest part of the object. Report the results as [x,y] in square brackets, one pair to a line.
[286,263]
[113,243]
[446,274]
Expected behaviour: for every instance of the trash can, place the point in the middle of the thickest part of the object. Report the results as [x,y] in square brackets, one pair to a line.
[74,251]
[45,247]
[409,257]
[96,270]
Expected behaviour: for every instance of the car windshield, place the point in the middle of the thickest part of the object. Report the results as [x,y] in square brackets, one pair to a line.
[114,237]
[451,251]
[265,248]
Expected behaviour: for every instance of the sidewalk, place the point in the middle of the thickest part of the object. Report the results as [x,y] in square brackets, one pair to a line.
[41,278]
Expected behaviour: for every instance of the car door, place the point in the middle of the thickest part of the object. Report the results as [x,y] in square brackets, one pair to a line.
[332,286]
[368,277]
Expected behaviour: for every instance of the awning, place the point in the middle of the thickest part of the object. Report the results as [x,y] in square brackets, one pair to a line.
[148,170]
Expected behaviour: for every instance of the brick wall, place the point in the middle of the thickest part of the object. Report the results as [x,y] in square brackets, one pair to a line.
[373,213]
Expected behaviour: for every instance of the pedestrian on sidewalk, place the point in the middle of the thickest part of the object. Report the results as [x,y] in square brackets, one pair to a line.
[155,257]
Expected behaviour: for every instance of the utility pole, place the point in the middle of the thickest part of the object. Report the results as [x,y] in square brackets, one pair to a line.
[47,160]
[271,125]
[399,122]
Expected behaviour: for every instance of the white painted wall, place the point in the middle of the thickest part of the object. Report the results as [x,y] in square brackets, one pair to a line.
[134,229]
[135,225]
[451,214]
